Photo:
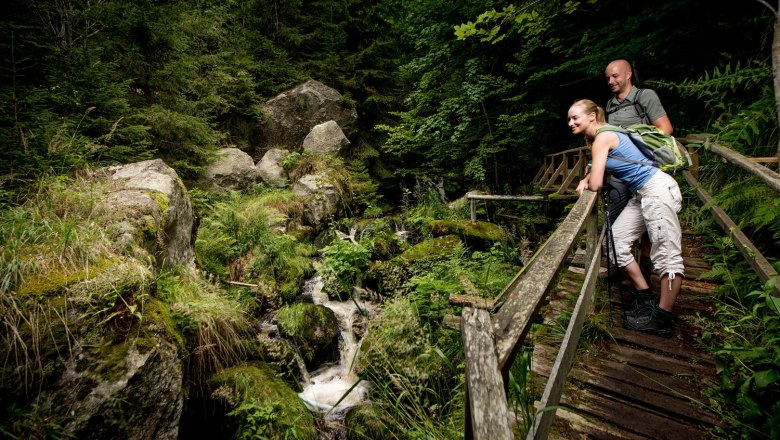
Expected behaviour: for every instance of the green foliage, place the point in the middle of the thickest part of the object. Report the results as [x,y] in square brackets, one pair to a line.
[237,241]
[261,405]
[211,321]
[343,266]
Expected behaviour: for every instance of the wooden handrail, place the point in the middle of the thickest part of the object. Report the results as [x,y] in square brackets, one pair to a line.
[771,178]
[490,345]
[512,322]
[752,255]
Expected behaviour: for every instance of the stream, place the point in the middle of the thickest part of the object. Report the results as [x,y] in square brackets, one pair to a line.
[325,387]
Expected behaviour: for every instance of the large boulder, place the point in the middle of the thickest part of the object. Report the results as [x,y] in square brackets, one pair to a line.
[320,198]
[233,169]
[325,138]
[269,169]
[130,389]
[152,205]
[292,114]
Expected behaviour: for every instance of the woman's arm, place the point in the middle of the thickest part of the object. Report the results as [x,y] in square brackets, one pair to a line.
[599,150]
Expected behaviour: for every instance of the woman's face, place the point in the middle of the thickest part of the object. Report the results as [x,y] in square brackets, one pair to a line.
[579,121]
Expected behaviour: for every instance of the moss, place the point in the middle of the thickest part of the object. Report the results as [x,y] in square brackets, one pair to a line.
[48,283]
[367,421]
[157,312]
[436,249]
[260,404]
[479,231]
[313,329]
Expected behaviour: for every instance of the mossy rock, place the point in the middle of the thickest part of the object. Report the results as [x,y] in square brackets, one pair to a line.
[386,277]
[258,404]
[439,248]
[312,328]
[367,421]
[397,343]
[280,356]
[480,235]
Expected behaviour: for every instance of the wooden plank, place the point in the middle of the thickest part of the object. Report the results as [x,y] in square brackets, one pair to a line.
[633,418]
[487,404]
[565,358]
[451,322]
[513,320]
[763,159]
[771,178]
[662,393]
[471,301]
[576,171]
[559,171]
[751,254]
[505,197]
[697,364]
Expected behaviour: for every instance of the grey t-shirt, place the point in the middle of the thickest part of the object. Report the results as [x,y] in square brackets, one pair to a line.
[626,113]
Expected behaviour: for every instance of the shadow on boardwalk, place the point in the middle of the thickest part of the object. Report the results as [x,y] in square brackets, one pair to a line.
[637,386]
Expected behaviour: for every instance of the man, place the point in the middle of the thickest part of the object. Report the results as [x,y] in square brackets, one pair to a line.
[628,106]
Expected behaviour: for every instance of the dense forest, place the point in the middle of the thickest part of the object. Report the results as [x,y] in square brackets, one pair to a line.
[450,96]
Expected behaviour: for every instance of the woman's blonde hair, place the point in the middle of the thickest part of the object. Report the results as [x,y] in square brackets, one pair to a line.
[591,107]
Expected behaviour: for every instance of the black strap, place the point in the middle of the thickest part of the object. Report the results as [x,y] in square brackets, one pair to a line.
[638,108]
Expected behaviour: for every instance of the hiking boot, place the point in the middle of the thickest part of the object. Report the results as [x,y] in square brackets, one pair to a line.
[646,266]
[655,320]
[640,301]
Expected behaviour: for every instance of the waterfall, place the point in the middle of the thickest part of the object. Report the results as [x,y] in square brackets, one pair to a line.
[330,382]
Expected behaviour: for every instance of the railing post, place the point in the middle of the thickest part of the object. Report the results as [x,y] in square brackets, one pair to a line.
[473,206]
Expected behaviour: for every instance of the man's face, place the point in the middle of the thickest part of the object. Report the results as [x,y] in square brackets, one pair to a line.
[618,78]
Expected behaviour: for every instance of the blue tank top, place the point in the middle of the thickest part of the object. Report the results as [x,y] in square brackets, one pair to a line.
[633,174]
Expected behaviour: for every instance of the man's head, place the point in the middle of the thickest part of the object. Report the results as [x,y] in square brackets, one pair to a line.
[618,75]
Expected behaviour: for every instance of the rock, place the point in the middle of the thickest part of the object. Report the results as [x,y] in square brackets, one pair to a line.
[326,138]
[151,203]
[233,170]
[479,235]
[258,404]
[292,114]
[131,389]
[269,169]
[313,329]
[320,198]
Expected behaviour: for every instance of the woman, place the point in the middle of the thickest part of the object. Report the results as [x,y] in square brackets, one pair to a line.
[653,208]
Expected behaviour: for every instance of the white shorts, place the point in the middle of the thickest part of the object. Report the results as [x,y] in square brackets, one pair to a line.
[654,208]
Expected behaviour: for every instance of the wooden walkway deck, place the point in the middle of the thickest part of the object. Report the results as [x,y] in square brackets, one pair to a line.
[636,386]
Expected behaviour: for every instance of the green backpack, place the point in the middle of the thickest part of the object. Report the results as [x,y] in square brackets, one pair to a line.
[663,149]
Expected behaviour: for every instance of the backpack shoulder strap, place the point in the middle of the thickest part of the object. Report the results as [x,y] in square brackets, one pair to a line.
[639,108]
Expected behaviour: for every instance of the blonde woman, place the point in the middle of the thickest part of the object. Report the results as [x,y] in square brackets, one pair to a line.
[652,208]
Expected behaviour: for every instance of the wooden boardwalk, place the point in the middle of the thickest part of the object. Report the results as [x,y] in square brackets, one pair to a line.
[637,386]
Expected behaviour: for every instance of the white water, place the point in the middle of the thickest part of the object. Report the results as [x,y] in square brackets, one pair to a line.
[329,383]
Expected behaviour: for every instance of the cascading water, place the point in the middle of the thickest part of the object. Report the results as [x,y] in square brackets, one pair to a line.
[326,386]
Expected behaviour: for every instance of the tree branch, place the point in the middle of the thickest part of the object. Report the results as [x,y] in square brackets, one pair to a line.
[775,11]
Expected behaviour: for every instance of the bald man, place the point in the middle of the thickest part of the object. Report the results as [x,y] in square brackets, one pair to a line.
[630,105]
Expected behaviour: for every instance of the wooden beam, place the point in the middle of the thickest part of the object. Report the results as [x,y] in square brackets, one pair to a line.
[565,359]
[513,320]
[487,407]
[471,301]
[751,254]
[505,197]
[771,178]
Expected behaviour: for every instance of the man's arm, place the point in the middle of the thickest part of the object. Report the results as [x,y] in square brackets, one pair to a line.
[664,124]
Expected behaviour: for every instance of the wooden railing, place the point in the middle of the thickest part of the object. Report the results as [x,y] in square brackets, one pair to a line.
[749,251]
[491,342]
[560,172]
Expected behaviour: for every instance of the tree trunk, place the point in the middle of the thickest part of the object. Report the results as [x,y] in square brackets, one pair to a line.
[776,68]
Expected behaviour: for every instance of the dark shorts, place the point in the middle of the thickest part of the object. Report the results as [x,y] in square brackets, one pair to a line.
[616,195]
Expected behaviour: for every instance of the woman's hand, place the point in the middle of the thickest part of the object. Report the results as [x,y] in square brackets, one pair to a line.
[583,185]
